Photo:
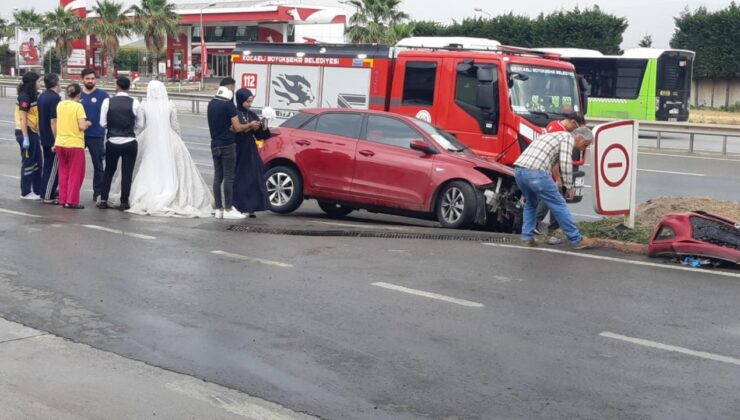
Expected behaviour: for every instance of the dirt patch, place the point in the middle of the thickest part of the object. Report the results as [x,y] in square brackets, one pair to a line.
[652,211]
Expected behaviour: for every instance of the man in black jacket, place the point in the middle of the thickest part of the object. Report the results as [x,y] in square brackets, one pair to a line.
[121,116]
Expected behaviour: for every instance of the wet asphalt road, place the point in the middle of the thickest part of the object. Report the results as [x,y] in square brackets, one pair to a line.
[319,325]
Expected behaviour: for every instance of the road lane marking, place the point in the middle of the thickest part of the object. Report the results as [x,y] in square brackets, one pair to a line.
[619,260]
[690,157]
[119,232]
[252,259]
[429,295]
[7,139]
[11,176]
[208,165]
[669,172]
[358,226]
[19,213]
[668,347]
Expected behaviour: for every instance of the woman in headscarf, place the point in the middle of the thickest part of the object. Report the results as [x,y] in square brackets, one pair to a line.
[250,191]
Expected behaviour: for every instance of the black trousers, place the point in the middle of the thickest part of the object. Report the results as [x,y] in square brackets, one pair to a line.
[224,163]
[50,178]
[127,153]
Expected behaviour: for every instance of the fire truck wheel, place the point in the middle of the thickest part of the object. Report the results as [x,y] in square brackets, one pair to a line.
[335,209]
[284,189]
[456,205]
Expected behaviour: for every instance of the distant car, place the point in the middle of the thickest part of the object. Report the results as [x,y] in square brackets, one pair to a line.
[387,163]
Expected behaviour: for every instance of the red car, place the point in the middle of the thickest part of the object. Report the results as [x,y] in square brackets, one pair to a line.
[382,162]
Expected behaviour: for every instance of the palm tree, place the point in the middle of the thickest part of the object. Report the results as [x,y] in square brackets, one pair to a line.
[109,25]
[373,18]
[62,27]
[399,31]
[156,20]
[28,18]
[6,30]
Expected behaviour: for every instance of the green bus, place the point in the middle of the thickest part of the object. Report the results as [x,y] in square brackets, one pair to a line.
[641,84]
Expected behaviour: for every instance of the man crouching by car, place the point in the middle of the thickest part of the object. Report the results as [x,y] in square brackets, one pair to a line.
[533,176]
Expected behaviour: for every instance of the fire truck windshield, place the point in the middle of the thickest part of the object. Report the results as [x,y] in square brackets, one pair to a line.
[540,94]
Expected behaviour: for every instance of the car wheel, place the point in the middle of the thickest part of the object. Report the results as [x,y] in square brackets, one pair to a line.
[284,189]
[334,209]
[456,205]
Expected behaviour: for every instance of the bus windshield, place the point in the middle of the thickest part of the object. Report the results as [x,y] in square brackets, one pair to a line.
[542,92]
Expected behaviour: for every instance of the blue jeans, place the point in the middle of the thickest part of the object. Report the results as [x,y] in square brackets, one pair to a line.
[538,186]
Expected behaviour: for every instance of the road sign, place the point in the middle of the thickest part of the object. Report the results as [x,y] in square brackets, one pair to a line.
[615,165]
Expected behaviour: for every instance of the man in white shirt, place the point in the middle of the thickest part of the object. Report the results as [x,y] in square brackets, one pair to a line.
[121,117]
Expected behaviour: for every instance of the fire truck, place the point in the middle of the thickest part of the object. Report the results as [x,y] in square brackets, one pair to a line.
[495,99]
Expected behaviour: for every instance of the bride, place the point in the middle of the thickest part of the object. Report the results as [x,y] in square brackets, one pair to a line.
[166,180]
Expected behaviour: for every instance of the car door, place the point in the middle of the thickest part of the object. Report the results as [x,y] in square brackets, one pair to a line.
[325,153]
[387,171]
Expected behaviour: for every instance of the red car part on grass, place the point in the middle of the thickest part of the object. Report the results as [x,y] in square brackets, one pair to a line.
[696,234]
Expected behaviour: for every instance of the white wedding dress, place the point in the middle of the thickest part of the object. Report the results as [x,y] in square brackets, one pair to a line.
[166,181]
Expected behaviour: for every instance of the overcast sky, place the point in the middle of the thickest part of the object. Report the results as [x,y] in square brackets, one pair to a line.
[644,16]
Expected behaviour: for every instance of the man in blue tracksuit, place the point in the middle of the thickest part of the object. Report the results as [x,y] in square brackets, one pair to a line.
[92,100]
[47,104]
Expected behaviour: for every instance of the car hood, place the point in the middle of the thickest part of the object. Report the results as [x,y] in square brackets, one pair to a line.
[483,162]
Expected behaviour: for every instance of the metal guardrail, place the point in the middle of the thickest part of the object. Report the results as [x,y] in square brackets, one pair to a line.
[658,127]
[691,129]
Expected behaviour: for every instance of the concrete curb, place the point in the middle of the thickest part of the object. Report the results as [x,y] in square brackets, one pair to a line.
[626,247]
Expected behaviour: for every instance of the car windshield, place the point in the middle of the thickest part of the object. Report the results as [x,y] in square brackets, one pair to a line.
[444,139]
[543,91]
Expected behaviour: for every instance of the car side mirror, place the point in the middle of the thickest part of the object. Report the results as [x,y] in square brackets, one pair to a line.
[423,147]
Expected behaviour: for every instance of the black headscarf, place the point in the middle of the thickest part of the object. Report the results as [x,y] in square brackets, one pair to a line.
[241,96]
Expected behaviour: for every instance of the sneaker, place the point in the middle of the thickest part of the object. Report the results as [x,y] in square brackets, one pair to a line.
[586,243]
[103,205]
[31,196]
[531,243]
[219,214]
[554,240]
[233,214]
[74,206]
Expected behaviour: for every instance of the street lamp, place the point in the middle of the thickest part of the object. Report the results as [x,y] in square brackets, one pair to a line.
[479,10]
[203,53]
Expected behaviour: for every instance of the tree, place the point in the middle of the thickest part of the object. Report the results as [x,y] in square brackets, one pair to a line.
[6,30]
[156,20]
[28,18]
[714,37]
[577,28]
[372,20]
[398,31]
[646,41]
[110,25]
[62,27]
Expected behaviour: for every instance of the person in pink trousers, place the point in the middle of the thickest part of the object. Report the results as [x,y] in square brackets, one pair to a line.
[70,147]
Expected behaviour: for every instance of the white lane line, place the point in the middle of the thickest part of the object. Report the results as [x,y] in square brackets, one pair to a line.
[11,176]
[7,139]
[358,226]
[590,216]
[675,349]
[619,260]
[198,144]
[120,232]
[253,259]
[669,172]
[429,295]
[19,213]
[207,165]
[689,157]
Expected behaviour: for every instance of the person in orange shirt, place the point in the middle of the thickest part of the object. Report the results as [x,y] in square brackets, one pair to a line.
[70,147]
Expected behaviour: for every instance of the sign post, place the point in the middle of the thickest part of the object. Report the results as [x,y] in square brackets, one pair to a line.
[615,169]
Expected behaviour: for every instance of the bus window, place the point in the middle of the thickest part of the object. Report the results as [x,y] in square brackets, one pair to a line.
[611,77]
[419,82]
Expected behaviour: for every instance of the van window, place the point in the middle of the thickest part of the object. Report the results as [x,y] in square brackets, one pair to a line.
[466,88]
[340,124]
[418,83]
